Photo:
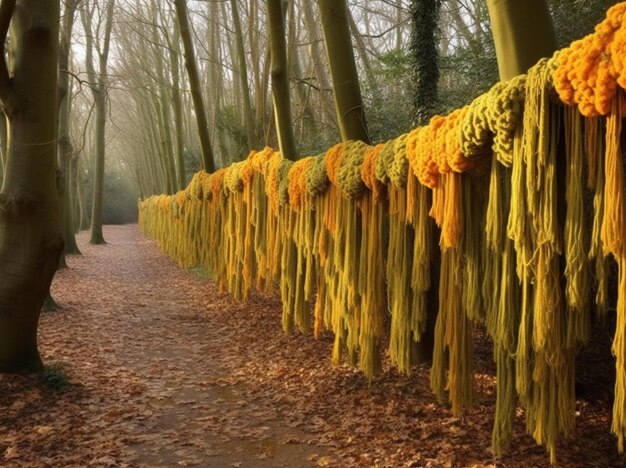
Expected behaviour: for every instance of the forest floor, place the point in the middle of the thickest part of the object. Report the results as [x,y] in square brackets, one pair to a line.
[150,365]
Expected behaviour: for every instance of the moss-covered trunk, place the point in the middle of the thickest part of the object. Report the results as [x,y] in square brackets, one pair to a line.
[30,242]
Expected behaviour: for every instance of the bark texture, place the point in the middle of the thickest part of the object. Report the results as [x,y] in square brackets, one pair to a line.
[30,241]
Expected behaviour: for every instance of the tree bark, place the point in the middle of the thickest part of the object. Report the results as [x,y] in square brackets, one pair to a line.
[338,43]
[280,79]
[3,145]
[425,57]
[522,32]
[30,241]
[208,160]
[66,149]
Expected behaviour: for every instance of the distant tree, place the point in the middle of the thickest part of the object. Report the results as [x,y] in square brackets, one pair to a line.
[98,86]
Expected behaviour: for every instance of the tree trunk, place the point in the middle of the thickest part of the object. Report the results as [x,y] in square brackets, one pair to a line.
[98,90]
[307,115]
[163,106]
[399,24]
[361,50]
[98,178]
[280,79]
[243,76]
[30,242]
[178,112]
[208,160]
[81,211]
[316,48]
[522,32]
[66,149]
[3,145]
[425,57]
[348,102]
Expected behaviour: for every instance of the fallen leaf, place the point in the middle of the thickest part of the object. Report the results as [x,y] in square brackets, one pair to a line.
[324,461]
[43,430]
[10,453]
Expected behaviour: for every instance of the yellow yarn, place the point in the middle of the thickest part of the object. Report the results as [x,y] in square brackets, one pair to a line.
[384,162]
[399,165]
[517,257]
[317,178]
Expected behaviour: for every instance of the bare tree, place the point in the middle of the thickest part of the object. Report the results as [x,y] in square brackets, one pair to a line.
[98,87]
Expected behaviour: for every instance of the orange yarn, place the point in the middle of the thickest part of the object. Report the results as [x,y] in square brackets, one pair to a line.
[216,183]
[297,181]
[333,161]
[368,170]
[272,180]
[435,149]
[590,69]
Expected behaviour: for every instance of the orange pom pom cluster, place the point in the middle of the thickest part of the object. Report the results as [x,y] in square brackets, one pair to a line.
[590,69]
[297,181]
[435,149]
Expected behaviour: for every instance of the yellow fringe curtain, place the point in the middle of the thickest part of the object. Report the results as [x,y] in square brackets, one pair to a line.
[347,237]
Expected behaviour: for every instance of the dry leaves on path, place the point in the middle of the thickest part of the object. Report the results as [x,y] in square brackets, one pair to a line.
[164,370]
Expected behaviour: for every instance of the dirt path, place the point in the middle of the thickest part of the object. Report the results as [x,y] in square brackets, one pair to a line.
[166,371]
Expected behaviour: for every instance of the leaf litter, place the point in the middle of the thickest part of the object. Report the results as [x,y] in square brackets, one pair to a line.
[165,370]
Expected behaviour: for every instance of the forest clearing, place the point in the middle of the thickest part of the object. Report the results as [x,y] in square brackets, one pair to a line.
[164,370]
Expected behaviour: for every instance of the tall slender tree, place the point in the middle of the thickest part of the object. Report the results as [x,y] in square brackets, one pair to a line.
[66,149]
[243,76]
[30,241]
[347,91]
[98,86]
[174,59]
[280,78]
[208,159]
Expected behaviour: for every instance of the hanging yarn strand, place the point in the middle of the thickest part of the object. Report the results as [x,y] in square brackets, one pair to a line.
[347,238]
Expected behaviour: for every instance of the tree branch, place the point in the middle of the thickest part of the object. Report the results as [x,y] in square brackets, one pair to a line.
[6,12]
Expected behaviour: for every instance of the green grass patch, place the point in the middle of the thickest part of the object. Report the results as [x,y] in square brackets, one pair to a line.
[201,273]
